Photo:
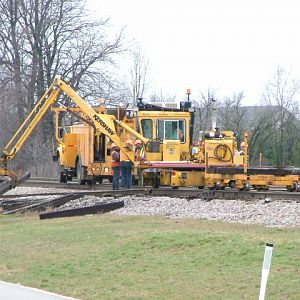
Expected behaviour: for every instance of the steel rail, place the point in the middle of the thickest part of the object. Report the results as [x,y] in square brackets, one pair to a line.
[104,193]
[71,185]
[52,203]
[95,209]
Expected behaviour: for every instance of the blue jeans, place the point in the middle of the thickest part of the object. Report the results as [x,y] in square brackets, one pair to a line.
[126,168]
[116,178]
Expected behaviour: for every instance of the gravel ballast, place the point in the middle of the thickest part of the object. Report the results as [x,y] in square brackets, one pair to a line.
[269,213]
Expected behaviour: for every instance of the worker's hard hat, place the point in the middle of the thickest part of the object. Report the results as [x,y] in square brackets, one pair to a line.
[243,144]
[137,142]
[129,142]
[113,145]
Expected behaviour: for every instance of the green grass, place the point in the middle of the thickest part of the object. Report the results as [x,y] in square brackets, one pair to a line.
[114,257]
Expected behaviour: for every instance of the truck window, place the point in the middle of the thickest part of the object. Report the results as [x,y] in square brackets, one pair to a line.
[171,130]
[147,128]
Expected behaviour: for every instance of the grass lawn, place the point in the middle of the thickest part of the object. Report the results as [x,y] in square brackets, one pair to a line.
[117,257]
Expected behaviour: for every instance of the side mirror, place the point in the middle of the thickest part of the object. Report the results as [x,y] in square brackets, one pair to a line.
[54,158]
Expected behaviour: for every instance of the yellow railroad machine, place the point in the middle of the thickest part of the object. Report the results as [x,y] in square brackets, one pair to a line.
[167,135]
[217,163]
[164,133]
[171,130]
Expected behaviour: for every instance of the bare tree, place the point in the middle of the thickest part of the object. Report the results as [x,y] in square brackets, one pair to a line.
[43,39]
[256,120]
[162,97]
[280,94]
[203,111]
[233,115]
[259,123]
[138,74]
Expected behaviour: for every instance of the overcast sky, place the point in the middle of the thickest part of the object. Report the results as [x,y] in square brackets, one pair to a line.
[230,46]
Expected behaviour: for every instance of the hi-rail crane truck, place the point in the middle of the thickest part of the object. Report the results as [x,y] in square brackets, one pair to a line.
[103,123]
[80,144]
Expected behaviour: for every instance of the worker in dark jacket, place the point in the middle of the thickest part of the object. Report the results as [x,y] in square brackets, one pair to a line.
[126,166]
[115,165]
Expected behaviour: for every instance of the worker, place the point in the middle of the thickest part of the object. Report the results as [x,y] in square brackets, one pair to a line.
[115,165]
[218,133]
[180,135]
[139,155]
[138,150]
[242,148]
[126,166]
[195,150]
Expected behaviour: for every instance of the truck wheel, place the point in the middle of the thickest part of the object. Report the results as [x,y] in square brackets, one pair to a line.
[63,177]
[156,181]
[91,182]
[80,174]
[62,173]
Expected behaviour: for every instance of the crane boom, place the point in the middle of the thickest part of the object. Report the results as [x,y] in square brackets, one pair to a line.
[24,131]
[104,123]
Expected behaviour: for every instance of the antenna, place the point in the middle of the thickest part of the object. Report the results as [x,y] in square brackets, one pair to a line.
[214,114]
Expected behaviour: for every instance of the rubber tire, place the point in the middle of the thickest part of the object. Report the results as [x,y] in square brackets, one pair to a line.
[91,182]
[156,182]
[79,172]
[63,177]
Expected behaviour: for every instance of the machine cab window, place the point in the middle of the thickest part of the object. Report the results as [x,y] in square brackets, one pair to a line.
[171,130]
[147,128]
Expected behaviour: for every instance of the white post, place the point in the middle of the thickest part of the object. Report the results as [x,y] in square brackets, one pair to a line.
[265,270]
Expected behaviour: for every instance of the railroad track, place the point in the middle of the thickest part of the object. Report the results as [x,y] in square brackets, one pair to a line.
[20,203]
[104,188]
[39,202]
[186,193]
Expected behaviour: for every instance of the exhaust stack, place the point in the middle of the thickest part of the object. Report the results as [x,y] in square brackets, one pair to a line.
[213,114]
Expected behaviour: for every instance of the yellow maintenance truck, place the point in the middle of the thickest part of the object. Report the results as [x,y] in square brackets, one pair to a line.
[84,151]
